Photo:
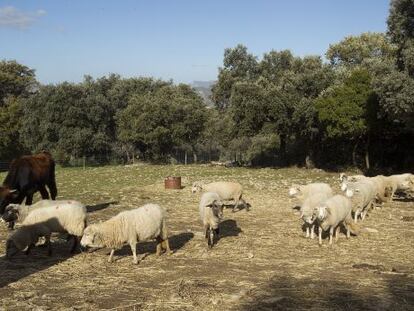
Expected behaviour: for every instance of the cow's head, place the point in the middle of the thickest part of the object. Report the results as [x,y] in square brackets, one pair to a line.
[7,196]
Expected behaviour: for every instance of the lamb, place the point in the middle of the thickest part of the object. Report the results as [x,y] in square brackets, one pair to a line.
[27,236]
[306,211]
[140,224]
[18,212]
[335,211]
[62,217]
[211,213]
[301,192]
[362,195]
[226,191]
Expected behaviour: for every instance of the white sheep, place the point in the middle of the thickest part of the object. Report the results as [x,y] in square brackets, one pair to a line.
[18,212]
[211,213]
[140,224]
[226,191]
[362,195]
[307,208]
[301,192]
[62,217]
[353,178]
[335,211]
[401,182]
[26,237]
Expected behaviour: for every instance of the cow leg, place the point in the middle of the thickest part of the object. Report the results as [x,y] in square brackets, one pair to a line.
[53,190]
[29,198]
[44,193]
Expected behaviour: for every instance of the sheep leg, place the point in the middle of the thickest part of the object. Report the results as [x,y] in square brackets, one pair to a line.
[364,213]
[49,245]
[111,255]
[133,245]
[159,246]
[307,231]
[74,243]
[356,216]
[206,229]
[236,206]
[27,252]
[331,231]
[166,245]
[348,232]
[337,233]
[312,232]
[320,235]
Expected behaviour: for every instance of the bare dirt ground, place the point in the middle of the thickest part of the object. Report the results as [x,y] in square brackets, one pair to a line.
[261,262]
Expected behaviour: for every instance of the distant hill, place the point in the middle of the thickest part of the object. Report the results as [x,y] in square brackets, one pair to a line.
[204,89]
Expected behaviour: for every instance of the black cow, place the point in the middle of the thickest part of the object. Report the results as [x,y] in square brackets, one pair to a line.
[27,175]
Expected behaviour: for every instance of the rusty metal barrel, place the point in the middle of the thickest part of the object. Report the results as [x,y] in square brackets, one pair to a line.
[172,182]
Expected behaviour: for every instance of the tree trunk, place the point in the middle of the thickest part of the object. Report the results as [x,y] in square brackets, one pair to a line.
[367,155]
[195,157]
[354,161]
[283,149]
[185,157]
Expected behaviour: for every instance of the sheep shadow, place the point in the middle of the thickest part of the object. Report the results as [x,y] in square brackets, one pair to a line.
[176,242]
[21,265]
[98,207]
[229,228]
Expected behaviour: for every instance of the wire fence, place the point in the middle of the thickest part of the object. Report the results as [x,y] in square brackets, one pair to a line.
[179,157]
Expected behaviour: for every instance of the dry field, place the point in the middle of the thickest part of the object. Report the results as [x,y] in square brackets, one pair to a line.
[261,262]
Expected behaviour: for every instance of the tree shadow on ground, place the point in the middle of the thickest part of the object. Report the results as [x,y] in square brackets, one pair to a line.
[285,292]
[98,207]
[21,265]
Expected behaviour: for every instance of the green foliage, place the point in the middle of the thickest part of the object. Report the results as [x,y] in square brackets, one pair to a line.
[343,110]
[157,122]
[401,32]
[357,50]
[15,80]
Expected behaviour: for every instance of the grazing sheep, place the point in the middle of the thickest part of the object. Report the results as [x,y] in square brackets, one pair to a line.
[362,195]
[26,237]
[64,217]
[18,212]
[211,212]
[140,224]
[226,191]
[401,182]
[335,211]
[301,192]
[306,211]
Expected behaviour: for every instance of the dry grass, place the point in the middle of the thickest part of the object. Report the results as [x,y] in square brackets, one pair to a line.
[262,262]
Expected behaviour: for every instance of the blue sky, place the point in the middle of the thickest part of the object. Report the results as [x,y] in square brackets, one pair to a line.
[182,40]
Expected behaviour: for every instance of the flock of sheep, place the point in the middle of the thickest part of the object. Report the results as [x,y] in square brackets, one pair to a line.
[318,207]
[147,222]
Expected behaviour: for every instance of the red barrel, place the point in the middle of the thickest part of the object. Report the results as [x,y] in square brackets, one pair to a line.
[172,182]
